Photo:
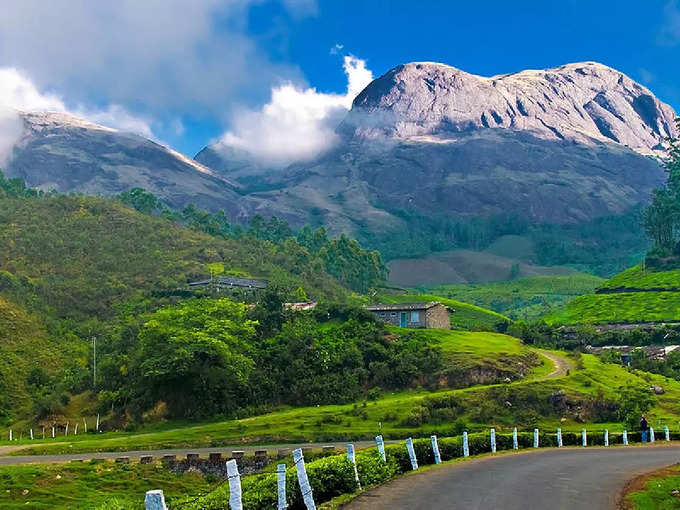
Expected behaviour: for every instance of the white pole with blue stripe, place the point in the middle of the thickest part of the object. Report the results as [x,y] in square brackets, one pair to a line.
[435,450]
[492,437]
[281,487]
[559,438]
[584,438]
[352,458]
[235,500]
[466,447]
[535,438]
[606,437]
[651,434]
[303,481]
[381,447]
[667,432]
[154,500]
[411,453]
[625,438]
[515,443]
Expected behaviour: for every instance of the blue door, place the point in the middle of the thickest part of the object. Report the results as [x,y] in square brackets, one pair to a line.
[402,319]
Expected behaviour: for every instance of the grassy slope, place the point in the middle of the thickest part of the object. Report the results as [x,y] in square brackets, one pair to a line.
[636,278]
[526,298]
[656,494]
[466,315]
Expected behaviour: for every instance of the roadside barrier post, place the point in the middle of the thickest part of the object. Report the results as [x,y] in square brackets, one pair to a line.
[31,434]
[235,502]
[85,425]
[584,438]
[625,438]
[281,486]
[53,432]
[559,438]
[466,447]
[352,458]
[535,438]
[515,443]
[651,434]
[75,429]
[43,432]
[606,437]
[154,500]
[492,437]
[411,453]
[667,432]
[435,450]
[303,481]
[381,447]
[66,430]
[97,428]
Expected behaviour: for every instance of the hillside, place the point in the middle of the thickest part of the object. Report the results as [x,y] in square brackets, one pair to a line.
[633,296]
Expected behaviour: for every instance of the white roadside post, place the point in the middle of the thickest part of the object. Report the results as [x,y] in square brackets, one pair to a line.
[515,443]
[584,438]
[606,437]
[10,435]
[281,486]
[535,438]
[667,432]
[559,438]
[435,450]
[303,481]
[651,434]
[43,432]
[235,501]
[353,459]
[53,432]
[97,429]
[625,438]
[154,500]
[66,430]
[492,437]
[31,433]
[75,429]
[85,425]
[381,447]
[411,453]
[466,447]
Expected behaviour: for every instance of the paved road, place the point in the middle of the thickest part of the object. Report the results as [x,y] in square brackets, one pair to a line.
[181,452]
[551,479]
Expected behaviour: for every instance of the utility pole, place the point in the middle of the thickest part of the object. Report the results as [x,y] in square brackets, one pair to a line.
[94,362]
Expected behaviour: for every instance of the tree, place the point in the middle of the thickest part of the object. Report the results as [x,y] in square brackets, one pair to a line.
[634,402]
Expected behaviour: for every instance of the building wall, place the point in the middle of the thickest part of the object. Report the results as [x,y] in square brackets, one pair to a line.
[438,318]
[413,322]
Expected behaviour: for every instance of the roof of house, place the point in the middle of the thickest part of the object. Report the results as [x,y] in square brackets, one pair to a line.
[299,307]
[402,306]
[229,281]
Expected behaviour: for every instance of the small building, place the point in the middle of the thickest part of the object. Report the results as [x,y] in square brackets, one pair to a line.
[432,315]
[300,307]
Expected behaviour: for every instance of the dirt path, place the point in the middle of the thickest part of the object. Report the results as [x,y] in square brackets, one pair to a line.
[562,364]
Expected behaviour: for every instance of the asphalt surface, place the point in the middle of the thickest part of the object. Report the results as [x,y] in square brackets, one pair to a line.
[552,479]
[180,452]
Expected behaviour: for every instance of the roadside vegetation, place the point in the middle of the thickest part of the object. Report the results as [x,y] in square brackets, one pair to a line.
[659,491]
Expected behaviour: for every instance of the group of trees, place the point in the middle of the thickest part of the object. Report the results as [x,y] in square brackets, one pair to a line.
[661,219]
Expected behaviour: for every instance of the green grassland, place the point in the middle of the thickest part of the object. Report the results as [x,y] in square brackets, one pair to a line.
[92,485]
[637,278]
[657,492]
[465,317]
[524,298]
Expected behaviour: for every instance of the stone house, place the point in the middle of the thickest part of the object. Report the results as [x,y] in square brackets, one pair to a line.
[432,315]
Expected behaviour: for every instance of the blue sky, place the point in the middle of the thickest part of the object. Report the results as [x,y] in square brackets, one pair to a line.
[188,72]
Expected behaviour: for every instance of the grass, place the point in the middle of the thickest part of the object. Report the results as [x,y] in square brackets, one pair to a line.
[657,491]
[90,485]
[465,317]
[525,298]
[636,278]
[623,307]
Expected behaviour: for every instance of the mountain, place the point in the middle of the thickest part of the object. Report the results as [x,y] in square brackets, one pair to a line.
[64,153]
[559,146]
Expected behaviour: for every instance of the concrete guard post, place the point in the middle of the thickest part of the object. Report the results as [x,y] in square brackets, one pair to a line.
[303,481]
[466,447]
[536,438]
[667,432]
[559,438]
[435,450]
[353,459]
[651,434]
[411,453]
[154,500]
[235,501]
[515,442]
[492,437]
[606,437]
[625,438]
[281,486]
[381,447]
[584,438]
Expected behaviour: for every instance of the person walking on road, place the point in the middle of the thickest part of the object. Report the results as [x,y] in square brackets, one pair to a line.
[644,429]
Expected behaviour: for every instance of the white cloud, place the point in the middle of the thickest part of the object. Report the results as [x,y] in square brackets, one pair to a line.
[670,31]
[297,123]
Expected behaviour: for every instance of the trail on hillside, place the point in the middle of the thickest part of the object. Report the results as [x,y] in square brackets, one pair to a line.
[562,364]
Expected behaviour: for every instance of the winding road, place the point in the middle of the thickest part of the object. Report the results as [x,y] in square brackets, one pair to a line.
[550,479]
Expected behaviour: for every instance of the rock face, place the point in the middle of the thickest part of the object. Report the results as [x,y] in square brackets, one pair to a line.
[64,153]
[557,146]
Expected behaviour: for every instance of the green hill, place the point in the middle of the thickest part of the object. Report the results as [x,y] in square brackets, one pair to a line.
[633,296]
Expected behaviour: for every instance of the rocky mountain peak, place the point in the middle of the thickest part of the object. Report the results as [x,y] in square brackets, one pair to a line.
[585,102]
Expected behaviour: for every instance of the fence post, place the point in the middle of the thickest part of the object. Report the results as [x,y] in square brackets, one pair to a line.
[303,481]
[352,458]
[515,443]
[411,453]
[559,438]
[281,486]
[492,437]
[625,438]
[535,438]
[435,450]
[381,447]
[584,438]
[606,437]
[466,447]
[235,502]
[667,432]
[154,500]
